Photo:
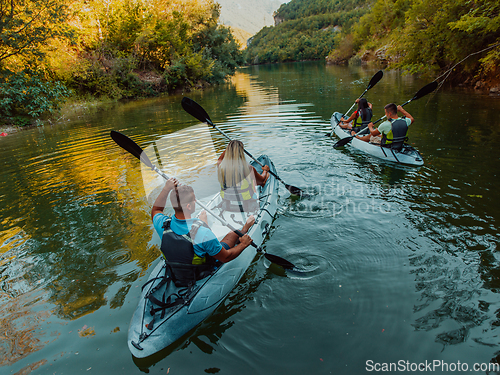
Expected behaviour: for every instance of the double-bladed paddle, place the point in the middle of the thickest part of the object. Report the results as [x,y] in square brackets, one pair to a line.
[129,145]
[427,89]
[197,111]
[376,77]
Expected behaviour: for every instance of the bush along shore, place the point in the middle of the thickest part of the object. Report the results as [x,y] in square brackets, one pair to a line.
[91,52]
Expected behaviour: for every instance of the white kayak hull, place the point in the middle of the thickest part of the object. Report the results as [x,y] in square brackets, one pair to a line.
[207,294]
[408,155]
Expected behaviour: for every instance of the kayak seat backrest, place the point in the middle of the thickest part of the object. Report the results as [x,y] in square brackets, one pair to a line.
[187,274]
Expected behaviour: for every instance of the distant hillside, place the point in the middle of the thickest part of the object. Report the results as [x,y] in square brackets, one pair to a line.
[249,15]
[241,36]
[455,39]
[307,30]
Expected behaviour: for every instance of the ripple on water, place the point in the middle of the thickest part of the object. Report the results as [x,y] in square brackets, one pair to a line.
[308,266]
[113,259]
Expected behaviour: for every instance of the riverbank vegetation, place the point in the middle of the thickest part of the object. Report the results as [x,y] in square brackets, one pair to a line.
[305,30]
[457,39]
[53,49]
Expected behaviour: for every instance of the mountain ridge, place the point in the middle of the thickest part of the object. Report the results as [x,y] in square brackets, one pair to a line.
[248,15]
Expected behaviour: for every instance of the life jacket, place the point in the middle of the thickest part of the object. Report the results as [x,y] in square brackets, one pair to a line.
[361,121]
[239,197]
[397,135]
[178,250]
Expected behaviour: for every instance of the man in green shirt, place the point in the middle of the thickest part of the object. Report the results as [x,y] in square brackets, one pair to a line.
[384,131]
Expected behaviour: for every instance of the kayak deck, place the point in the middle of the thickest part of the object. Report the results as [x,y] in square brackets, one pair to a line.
[407,155]
[187,307]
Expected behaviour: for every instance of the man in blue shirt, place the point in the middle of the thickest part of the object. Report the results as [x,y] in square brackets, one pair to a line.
[205,242]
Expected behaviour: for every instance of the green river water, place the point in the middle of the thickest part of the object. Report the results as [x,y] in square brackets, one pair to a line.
[403,263]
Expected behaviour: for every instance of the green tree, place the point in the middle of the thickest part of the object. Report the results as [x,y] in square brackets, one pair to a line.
[27,26]
[483,22]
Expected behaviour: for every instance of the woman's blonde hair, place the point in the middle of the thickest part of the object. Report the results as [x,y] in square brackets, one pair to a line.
[234,167]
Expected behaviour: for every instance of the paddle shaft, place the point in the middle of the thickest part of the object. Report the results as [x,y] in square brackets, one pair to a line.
[197,111]
[376,77]
[129,145]
[221,220]
[352,106]
[402,105]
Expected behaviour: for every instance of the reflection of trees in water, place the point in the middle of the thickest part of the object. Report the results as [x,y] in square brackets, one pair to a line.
[20,323]
[74,218]
[206,335]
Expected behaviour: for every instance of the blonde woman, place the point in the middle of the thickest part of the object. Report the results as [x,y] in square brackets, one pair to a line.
[237,178]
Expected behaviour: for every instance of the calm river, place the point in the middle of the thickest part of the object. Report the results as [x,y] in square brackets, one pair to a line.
[405,262]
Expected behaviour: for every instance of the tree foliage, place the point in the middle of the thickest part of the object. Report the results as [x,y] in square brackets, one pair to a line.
[28,93]
[419,36]
[429,36]
[309,30]
[180,42]
[114,48]
[26,26]
[296,9]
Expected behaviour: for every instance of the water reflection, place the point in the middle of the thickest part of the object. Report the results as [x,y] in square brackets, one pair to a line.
[73,221]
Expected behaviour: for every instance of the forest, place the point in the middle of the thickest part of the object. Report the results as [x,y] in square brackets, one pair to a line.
[308,31]
[53,49]
[456,38]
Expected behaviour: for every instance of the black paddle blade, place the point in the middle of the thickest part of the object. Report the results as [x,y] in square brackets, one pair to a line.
[377,77]
[343,142]
[195,110]
[295,190]
[279,261]
[427,89]
[129,145]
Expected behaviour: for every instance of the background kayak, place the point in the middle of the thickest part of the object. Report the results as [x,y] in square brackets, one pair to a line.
[408,155]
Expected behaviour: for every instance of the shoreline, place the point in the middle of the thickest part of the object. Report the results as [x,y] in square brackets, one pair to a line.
[73,108]
[76,107]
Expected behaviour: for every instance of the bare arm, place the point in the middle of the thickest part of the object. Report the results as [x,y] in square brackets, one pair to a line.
[221,157]
[373,131]
[227,255]
[405,113]
[159,204]
[261,178]
[350,118]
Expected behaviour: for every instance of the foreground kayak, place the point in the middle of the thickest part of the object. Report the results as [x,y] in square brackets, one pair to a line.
[175,311]
[408,155]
